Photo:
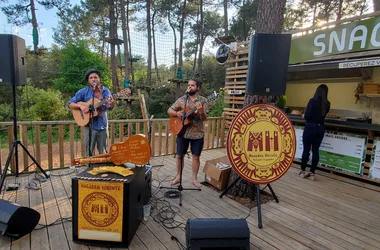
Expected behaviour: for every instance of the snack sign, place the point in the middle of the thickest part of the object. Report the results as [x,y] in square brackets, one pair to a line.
[261,143]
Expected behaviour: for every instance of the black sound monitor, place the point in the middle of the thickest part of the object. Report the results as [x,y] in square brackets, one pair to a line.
[215,233]
[17,221]
[268,64]
[12,60]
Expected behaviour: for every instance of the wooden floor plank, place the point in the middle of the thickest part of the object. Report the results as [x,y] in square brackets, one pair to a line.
[22,198]
[5,242]
[56,232]
[324,214]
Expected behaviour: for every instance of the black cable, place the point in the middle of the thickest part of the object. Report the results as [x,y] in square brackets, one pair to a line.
[56,222]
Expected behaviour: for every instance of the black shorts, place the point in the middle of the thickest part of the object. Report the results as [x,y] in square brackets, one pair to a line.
[183,145]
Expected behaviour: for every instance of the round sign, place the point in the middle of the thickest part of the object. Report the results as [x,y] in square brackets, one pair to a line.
[261,143]
[100,209]
[222,54]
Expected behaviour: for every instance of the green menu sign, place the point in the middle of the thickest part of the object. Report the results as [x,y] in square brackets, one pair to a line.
[351,37]
[341,151]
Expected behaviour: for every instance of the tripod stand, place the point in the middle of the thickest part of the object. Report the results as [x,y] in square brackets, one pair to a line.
[14,147]
[258,192]
[178,193]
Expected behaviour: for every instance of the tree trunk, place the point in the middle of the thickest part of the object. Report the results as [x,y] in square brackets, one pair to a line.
[113,35]
[196,43]
[182,27]
[225,7]
[376,5]
[201,42]
[149,29]
[34,23]
[154,48]
[124,21]
[129,43]
[339,15]
[270,21]
[175,41]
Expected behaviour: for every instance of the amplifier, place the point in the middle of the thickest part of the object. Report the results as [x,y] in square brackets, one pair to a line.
[223,234]
[107,211]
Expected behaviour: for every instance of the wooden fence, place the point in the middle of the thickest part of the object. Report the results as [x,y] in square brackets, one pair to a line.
[55,144]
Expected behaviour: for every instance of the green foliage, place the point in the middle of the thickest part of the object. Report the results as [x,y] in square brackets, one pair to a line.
[42,68]
[159,102]
[217,106]
[76,60]
[6,112]
[245,21]
[41,105]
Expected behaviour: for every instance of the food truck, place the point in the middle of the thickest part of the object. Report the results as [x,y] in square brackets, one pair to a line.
[346,57]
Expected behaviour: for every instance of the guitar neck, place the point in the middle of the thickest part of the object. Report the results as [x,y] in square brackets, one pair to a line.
[104,101]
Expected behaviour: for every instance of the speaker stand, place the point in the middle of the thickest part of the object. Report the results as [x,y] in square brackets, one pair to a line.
[258,196]
[14,147]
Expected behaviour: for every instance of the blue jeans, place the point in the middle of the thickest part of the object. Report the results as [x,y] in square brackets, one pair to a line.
[312,139]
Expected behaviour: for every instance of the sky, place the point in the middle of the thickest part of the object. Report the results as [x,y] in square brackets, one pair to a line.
[47,20]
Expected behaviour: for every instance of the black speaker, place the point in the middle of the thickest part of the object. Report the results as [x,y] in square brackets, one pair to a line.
[268,64]
[223,234]
[17,221]
[12,60]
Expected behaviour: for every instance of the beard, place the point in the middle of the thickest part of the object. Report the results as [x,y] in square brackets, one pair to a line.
[193,92]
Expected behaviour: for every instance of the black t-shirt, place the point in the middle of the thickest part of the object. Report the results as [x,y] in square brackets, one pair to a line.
[313,112]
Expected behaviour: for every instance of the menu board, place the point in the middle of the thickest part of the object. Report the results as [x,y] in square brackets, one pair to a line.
[341,151]
[374,170]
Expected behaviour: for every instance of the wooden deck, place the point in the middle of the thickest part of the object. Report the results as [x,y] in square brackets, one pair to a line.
[324,214]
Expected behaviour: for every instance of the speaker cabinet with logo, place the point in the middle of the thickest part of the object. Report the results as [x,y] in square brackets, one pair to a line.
[12,60]
[223,234]
[107,210]
[17,221]
[268,64]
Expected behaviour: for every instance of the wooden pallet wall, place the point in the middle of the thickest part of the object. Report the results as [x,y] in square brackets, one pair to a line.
[236,75]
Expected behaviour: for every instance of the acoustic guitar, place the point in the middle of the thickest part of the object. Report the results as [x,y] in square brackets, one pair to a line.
[83,119]
[176,126]
[135,149]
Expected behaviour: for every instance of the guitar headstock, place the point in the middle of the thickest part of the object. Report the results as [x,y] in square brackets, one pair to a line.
[213,96]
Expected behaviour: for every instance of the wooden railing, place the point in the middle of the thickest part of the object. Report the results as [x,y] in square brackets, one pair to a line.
[54,144]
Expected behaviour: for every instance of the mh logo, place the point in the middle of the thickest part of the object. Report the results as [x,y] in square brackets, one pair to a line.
[269,143]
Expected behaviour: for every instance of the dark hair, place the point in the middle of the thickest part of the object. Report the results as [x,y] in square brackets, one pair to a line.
[197,81]
[90,71]
[321,94]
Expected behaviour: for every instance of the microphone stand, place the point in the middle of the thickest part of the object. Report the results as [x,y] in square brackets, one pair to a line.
[180,188]
[91,109]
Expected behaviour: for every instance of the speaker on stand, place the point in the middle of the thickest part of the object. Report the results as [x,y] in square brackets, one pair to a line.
[268,64]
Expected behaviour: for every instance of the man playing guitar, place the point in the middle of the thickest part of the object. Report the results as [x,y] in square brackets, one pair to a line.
[99,124]
[194,133]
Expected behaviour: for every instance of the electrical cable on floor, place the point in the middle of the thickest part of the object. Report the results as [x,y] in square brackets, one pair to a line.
[56,222]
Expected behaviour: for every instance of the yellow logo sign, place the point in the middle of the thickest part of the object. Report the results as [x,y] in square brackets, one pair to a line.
[100,210]
[261,143]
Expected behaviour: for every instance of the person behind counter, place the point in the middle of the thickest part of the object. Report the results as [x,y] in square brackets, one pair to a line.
[315,115]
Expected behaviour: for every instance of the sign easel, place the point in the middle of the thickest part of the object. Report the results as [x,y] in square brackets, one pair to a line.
[261,146]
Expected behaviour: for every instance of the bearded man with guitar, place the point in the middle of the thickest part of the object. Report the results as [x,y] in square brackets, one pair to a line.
[97,124]
[193,132]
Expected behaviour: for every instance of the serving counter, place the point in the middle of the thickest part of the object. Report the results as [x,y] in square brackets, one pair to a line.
[348,148]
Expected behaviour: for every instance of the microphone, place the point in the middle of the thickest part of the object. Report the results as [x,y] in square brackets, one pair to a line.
[94,84]
[188,90]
